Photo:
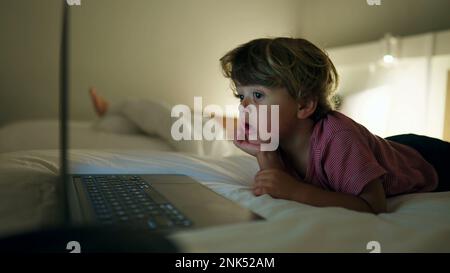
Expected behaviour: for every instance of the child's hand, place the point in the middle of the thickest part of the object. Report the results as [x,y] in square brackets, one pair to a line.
[270,160]
[250,148]
[276,183]
[241,139]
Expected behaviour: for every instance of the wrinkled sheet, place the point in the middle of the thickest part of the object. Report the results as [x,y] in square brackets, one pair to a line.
[415,223]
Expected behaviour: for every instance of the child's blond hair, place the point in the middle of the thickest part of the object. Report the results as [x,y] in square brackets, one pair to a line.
[302,68]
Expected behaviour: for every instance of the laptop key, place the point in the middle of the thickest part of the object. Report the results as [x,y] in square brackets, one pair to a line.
[151,224]
[186,223]
[140,216]
[105,217]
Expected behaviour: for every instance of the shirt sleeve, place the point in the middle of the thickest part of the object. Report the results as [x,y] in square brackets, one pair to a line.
[349,163]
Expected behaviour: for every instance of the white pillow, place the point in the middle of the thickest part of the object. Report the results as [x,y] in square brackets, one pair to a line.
[113,123]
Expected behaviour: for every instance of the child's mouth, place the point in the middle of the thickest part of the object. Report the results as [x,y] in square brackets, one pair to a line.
[247,131]
[247,134]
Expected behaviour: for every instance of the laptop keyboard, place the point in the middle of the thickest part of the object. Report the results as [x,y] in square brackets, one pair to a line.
[129,200]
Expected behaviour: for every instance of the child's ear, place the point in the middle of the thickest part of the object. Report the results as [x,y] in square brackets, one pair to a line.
[306,108]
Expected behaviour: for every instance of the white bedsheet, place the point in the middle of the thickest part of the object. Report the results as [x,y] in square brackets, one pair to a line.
[417,222]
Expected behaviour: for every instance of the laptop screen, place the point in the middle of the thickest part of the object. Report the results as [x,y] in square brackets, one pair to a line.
[64,110]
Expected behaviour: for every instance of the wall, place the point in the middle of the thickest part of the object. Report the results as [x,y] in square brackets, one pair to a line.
[29,59]
[169,49]
[408,97]
[333,23]
[165,50]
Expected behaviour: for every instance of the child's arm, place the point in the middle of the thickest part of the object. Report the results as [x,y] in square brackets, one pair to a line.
[372,198]
[279,184]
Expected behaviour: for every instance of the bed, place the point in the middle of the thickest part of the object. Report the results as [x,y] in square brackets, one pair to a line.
[415,222]
[29,173]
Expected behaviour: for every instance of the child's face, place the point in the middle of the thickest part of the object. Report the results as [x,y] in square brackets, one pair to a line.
[259,95]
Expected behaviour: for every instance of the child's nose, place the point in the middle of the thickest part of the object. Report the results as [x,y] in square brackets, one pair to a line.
[246,101]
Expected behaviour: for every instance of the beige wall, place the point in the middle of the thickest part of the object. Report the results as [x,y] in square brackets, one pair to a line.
[407,97]
[169,49]
[28,59]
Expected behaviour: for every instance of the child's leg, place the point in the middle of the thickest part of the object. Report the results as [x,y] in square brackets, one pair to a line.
[435,151]
[110,118]
[100,104]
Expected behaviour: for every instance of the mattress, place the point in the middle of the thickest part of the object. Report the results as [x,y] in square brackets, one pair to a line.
[414,223]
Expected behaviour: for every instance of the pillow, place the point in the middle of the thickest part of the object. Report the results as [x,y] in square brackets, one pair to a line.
[114,123]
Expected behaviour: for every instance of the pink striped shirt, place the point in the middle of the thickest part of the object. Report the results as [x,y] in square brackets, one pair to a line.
[345,157]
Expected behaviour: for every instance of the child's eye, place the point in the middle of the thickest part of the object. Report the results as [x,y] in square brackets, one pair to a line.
[239,96]
[258,95]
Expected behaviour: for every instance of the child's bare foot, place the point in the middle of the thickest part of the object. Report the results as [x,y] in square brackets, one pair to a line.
[100,104]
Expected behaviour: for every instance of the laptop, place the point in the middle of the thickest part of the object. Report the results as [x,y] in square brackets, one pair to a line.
[161,203]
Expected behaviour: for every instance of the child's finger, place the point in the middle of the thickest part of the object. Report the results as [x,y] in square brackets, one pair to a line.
[269,160]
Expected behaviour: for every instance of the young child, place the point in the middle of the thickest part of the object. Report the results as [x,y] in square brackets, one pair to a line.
[324,157]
